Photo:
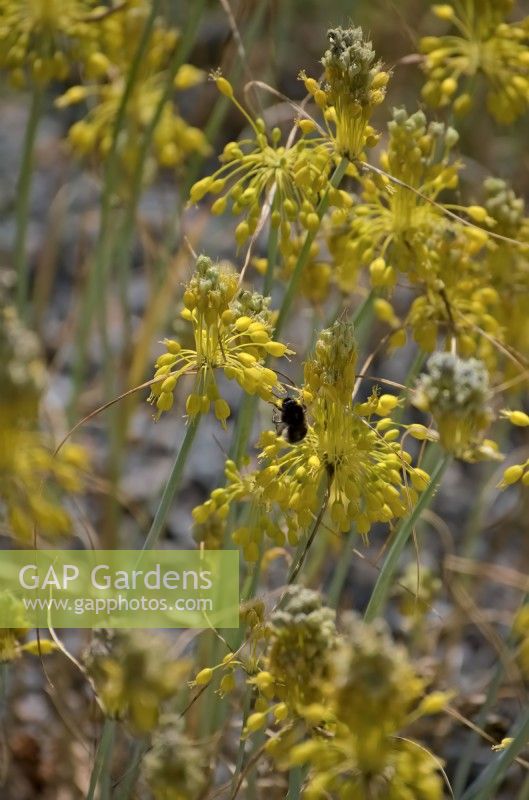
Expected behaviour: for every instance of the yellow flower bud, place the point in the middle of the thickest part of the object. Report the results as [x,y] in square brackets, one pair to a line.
[204,677]
[443,11]
[420,479]
[222,409]
[512,474]
[224,86]
[256,721]
[516,418]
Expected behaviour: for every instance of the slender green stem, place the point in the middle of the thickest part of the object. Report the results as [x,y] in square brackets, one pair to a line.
[96,290]
[488,782]
[383,585]
[273,239]
[303,256]
[22,210]
[172,485]
[524,791]
[102,759]
[465,762]
[295,782]
[126,785]
[342,568]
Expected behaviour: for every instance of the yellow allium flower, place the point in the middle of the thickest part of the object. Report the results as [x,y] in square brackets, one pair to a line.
[254,165]
[46,37]
[484,44]
[232,331]
[106,73]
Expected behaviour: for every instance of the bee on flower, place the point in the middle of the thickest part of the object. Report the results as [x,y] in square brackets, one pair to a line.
[349,461]
[232,332]
[484,44]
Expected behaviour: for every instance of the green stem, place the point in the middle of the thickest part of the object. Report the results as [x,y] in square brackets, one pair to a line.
[342,568]
[383,585]
[22,210]
[102,759]
[303,256]
[273,239]
[172,485]
[126,785]
[295,782]
[97,288]
[488,782]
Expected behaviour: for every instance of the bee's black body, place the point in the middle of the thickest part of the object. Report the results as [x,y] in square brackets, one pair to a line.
[292,420]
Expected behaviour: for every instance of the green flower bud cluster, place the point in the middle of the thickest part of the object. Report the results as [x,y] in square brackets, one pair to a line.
[355,85]
[302,637]
[372,691]
[132,675]
[504,206]
[332,370]
[456,392]
[351,67]
[174,767]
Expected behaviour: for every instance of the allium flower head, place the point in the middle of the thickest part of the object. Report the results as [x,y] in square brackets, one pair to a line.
[372,691]
[346,455]
[30,474]
[174,767]
[355,85]
[232,330]
[456,392]
[47,37]
[388,227]
[485,44]
[118,36]
[132,675]
[302,637]
[253,166]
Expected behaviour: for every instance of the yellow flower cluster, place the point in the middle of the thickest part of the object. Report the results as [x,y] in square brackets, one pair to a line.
[387,229]
[484,44]
[132,674]
[338,702]
[232,331]
[30,473]
[118,37]
[253,166]
[347,460]
[44,39]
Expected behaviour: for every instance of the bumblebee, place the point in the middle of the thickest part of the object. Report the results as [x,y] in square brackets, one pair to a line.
[291,420]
